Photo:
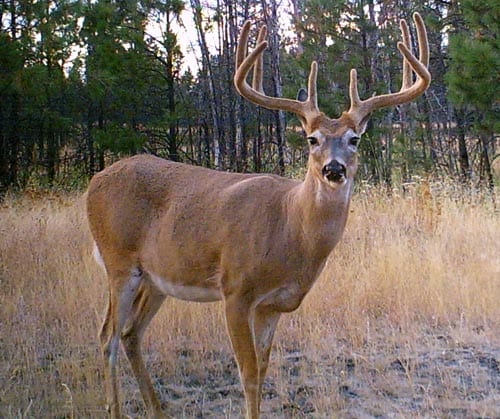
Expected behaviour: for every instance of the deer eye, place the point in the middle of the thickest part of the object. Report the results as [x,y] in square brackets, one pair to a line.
[312,140]
[354,141]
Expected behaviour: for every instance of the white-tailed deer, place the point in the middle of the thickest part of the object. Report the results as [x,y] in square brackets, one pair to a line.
[256,242]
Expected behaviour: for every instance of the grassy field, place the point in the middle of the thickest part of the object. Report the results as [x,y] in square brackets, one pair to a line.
[405,320]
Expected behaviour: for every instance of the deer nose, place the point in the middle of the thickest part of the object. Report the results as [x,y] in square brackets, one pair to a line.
[334,171]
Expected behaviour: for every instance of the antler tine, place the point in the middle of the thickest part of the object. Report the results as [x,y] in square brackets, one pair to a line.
[259,64]
[312,91]
[353,91]
[423,42]
[242,45]
[360,109]
[405,35]
[255,93]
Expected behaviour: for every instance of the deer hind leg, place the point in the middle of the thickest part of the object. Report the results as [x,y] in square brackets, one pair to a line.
[251,331]
[146,304]
[122,290]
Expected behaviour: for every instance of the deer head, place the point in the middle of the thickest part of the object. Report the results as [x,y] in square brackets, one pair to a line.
[333,142]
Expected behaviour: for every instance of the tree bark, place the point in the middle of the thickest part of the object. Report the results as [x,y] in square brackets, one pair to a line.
[214,101]
[463,154]
[271,18]
[173,152]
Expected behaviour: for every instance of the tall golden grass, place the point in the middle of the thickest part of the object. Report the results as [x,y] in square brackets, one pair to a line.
[415,269]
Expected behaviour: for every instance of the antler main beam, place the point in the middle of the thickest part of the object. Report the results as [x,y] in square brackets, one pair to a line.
[255,93]
[409,91]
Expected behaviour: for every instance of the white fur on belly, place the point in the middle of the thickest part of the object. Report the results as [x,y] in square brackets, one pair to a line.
[186,292]
[97,256]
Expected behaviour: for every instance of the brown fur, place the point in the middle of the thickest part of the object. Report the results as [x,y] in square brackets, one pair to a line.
[260,241]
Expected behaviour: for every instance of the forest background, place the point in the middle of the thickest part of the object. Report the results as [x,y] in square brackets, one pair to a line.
[83,83]
[404,321]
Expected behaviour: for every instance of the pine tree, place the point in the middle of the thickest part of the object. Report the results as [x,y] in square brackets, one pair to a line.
[473,78]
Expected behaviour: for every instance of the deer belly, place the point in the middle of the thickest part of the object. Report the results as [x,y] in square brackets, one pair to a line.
[205,292]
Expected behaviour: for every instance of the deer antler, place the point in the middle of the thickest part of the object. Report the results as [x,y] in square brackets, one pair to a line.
[255,93]
[359,110]
[409,91]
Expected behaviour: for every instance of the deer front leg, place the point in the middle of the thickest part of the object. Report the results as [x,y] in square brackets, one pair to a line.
[264,326]
[251,330]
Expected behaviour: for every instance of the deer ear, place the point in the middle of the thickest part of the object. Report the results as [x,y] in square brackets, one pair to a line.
[302,95]
[361,128]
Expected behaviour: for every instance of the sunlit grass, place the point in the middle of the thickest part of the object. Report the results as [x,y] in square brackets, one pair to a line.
[417,273]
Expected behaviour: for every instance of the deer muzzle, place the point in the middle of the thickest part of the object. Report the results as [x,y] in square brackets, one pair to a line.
[334,171]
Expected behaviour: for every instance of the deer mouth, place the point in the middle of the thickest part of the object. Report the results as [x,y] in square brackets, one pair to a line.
[334,172]
[335,178]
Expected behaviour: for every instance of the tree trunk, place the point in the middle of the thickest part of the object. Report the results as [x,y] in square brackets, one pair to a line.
[173,152]
[228,52]
[486,173]
[463,155]
[271,17]
[217,126]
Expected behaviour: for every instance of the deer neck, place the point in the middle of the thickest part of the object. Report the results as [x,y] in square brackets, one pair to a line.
[319,213]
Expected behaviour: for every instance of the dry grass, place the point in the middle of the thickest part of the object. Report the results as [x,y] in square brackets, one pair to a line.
[404,321]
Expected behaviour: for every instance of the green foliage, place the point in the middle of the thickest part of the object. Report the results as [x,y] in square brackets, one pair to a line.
[473,79]
[295,139]
[82,80]
[11,63]
[328,38]
[119,139]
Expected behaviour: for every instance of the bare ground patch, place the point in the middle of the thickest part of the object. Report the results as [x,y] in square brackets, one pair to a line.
[432,377]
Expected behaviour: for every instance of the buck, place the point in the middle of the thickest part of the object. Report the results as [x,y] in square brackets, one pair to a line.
[257,242]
